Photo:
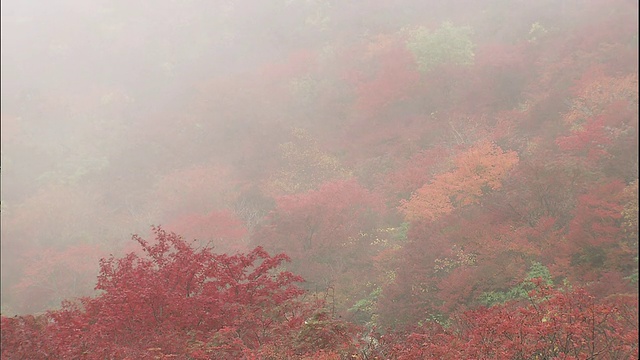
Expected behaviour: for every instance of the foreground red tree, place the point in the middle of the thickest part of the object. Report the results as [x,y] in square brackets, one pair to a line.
[549,324]
[182,302]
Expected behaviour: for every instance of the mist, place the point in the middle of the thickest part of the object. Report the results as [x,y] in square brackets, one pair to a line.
[413,158]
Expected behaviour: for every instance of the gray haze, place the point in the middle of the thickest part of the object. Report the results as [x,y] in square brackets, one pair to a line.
[119,115]
[81,81]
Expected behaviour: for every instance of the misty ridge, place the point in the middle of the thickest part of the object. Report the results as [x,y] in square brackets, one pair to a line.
[318,179]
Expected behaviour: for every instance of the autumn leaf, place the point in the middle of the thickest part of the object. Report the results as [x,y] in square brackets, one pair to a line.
[477,170]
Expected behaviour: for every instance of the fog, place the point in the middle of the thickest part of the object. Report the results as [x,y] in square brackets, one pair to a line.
[76,78]
[209,117]
[86,91]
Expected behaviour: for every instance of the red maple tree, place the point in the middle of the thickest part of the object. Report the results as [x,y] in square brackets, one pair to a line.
[184,302]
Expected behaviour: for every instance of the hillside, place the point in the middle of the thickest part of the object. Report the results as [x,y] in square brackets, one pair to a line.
[441,179]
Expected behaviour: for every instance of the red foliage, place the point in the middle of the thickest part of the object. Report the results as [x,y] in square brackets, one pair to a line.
[311,224]
[424,342]
[414,173]
[597,216]
[24,337]
[174,301]
[329,234]
[555,85]
[554,324]
[591,140]
[394,76]
[596,243]
[407,298]
[498,78]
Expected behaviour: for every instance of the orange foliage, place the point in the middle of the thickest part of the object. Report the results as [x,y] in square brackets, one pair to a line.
[477,170]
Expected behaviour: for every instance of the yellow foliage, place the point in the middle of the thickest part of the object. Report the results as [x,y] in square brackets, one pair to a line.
[461,259]
[630,211]
[305,166]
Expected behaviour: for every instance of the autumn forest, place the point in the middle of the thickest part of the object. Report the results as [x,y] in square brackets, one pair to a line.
[317,179]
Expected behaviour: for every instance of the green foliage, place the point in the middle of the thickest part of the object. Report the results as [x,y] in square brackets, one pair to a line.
[520,291]
[449,44]
[402,231]
[538,270]
[437,318]
[633,278]
[365,308]
[591,256]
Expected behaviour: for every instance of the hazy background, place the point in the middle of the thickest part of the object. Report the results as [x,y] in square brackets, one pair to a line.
[196,115]
[100,101]
[106,103]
